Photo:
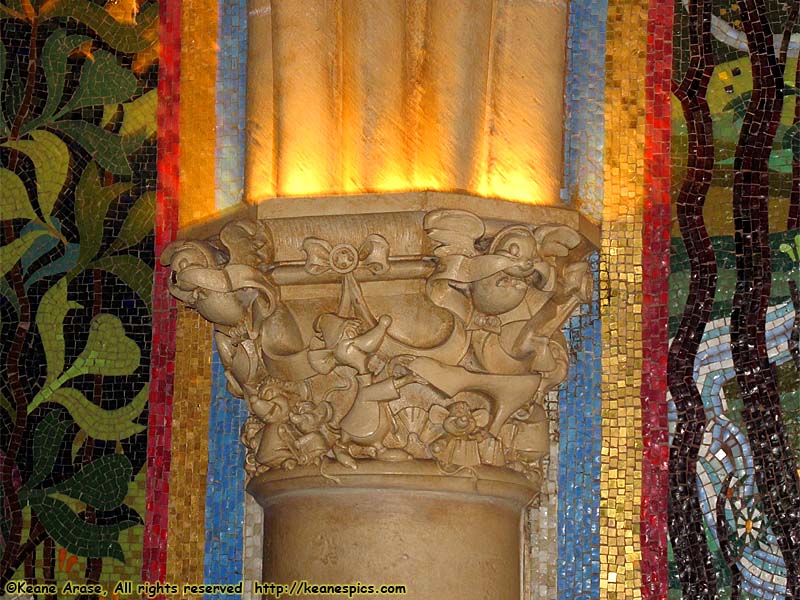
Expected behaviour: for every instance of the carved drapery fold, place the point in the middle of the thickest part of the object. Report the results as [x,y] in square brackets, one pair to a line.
[398,95]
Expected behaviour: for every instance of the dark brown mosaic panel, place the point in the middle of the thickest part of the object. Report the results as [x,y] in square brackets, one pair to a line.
[734,517]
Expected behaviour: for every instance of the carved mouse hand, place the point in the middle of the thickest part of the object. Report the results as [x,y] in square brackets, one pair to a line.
[345,344]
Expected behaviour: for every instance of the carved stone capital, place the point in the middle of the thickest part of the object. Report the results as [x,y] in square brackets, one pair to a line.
[426,338]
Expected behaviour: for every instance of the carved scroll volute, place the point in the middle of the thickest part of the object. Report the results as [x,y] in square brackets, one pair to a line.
[338,385]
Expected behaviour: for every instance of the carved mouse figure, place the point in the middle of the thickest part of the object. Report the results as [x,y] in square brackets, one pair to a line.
[227,286]
[369,419]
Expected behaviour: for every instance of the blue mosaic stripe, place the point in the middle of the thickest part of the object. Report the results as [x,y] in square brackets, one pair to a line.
[579,456]
[224,538]
[580,398]
[230,102]
[585,106]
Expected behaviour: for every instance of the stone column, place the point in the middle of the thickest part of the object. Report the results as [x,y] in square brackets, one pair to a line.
[396,523]
[395,341]
[395,352]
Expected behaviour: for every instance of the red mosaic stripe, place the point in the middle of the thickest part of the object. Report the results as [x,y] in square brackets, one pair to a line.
[655,311]
[159,441]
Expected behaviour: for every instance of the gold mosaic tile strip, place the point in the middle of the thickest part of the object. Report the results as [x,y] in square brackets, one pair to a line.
[197,111]
[192,394]
[621,300]
[192,399]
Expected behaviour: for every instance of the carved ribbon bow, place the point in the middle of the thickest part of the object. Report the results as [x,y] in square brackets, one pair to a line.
[321,257]
[373,254]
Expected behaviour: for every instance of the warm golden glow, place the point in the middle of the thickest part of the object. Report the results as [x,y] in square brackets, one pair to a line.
[197,114]
[305,181]
[517,185]
[621,300]
[406,95]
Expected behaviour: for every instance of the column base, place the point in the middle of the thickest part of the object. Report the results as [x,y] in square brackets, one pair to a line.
[443,537]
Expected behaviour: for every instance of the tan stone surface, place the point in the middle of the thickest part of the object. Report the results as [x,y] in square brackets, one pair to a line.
[395,365]
[392,336]
[390,95]
[390,316]
[493,210]
[440,542]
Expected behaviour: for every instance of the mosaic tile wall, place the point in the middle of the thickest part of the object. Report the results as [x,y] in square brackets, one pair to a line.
[78,187]
[114,420]
[733,362]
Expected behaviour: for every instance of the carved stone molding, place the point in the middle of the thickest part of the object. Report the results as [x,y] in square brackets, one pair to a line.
[422,338]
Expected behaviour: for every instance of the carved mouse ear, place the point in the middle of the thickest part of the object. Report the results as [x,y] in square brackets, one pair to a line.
[556,240]
[437,414]
[481,416]
[169,252]
[453,231]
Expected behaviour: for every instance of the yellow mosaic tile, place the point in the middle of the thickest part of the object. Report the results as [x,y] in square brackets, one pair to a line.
[192,398]
[197,111]
[621,300]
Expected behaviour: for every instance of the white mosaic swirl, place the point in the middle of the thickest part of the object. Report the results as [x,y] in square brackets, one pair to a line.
[725,447]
